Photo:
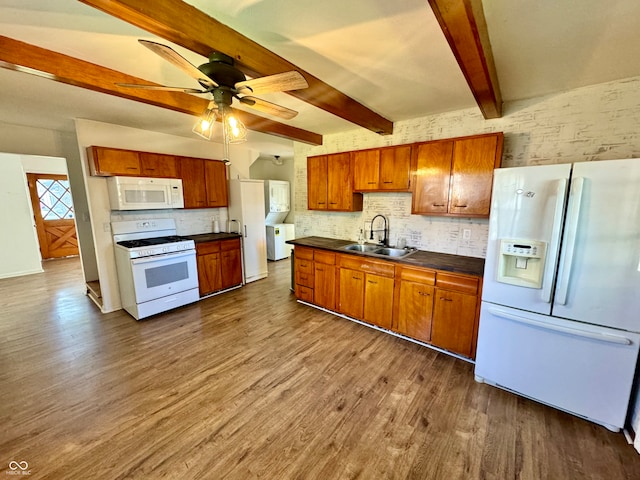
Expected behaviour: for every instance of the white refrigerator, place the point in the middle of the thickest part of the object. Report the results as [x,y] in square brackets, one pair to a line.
[560,313]
[246,205]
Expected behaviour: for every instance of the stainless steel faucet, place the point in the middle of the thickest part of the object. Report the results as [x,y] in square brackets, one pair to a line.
[385,237]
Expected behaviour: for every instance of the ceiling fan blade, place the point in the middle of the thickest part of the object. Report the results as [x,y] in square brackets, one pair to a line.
[160,87]
[268,107]
[280,82]
[177,60]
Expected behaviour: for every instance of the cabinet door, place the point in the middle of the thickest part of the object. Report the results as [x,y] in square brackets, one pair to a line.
[231,265]
[453,321]
[339,182]
[351,300]
[209,273]
[325,285]
[472,174]
[216,183]
[193,182]
[366,170]
[113,161]
[395,164]
[378,300]
[431,169]
[415,310]
[158,165]
[317,182]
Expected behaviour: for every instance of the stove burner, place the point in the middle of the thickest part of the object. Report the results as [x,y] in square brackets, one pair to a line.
[147,242]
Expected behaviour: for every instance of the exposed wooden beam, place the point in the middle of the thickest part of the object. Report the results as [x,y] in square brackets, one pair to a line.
[24,57]
[190,28]
[465,28]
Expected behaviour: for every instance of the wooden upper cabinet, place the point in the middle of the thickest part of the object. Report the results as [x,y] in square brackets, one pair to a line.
[366,166]
[382,169]
[193,182]
[158,165]
[216,183]
[317,182]
[431,172]
[395,165]
[108,162]
[474,160]
[454,177]
[330,183]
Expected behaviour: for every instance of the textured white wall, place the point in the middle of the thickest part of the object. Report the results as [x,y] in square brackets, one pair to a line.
[598,122]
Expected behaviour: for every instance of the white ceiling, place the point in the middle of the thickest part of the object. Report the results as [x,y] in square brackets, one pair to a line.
[390,56]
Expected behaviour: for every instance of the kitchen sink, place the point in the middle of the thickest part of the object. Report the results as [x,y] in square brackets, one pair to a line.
[378,250]
[362,247]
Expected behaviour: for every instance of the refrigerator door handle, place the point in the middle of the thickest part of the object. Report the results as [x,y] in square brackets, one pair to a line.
[245,231]
[573,216]
[552,254]
[601,337]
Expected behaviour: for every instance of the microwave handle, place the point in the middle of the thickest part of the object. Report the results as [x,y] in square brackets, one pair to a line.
[164,256]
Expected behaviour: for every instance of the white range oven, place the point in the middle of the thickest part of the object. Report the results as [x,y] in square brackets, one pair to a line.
[157,270]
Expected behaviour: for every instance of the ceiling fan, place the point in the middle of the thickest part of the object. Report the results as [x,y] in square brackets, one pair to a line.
[225,82]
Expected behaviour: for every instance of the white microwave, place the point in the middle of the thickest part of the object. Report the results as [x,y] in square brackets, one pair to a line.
[143,193]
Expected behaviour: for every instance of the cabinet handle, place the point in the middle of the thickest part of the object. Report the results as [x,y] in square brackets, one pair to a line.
[371,281]
[152,169]
[386,182]
[438,204]
[319,269]
[356,278]
[321,203]
[424,294]
[132,168]
[460,206]
[333,203]
[373,183]
[446,299]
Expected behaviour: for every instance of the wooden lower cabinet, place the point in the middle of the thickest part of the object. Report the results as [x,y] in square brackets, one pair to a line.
[231,262]
[366,289]
[351,300]
[304,274]
[219,265]
[209,267]
[324,279]
[378,300]
[414,302]
[455,313]
[432,306]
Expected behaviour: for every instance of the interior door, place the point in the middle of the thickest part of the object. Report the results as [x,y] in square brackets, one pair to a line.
[53,214]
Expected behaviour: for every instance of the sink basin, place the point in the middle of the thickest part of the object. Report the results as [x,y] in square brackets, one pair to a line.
[392,252]
[378,250]
[362,248]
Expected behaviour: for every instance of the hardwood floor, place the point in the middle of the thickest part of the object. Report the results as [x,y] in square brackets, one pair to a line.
[251,384]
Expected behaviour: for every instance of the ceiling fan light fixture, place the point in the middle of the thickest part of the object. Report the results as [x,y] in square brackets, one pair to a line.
[235,131]
[204,125]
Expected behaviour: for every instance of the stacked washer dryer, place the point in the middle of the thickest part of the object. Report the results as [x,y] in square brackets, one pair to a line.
[277,201]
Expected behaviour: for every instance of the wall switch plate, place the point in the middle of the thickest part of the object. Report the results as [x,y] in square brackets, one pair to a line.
[106,227]
[466,234]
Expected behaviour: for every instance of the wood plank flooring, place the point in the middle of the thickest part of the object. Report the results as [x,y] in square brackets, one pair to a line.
[251,384]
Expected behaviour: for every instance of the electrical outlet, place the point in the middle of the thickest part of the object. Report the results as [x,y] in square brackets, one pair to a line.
[106,227]
[466,234]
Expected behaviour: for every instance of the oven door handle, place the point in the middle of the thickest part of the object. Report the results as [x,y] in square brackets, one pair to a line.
[164,256]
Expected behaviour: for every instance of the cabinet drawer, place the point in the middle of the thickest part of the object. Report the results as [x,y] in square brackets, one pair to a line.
[232,244]
[304,266]
[354,262]
[207,247]
[303,253]
[328,258]
[304,293]
[417,275]
[458,283]
[304,278]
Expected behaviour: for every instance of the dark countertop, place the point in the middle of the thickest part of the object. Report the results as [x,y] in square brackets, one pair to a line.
[211,237]
[421,258]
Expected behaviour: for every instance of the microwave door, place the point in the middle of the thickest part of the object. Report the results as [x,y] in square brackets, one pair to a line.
[145,198]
